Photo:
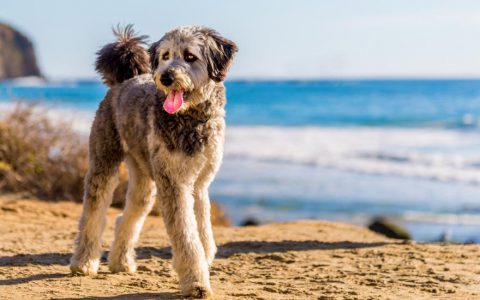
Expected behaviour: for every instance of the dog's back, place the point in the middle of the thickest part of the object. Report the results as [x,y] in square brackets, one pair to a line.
[123,59]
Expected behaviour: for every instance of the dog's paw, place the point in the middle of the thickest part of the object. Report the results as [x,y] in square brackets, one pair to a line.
[122,268]
[197,291]
[122,265]
[88,268]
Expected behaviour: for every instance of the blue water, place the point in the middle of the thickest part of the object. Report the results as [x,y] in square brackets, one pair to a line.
[343,103]
[337,150]
[296,103]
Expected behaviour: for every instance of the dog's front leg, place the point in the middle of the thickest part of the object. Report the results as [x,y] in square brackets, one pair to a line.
[202,200]
[203,210]
[188,254]
[202,214]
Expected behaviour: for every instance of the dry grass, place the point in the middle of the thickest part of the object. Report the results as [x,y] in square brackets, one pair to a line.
[38,157]
[49,160]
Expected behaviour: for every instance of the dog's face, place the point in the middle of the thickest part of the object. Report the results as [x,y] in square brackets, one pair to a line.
[186,61]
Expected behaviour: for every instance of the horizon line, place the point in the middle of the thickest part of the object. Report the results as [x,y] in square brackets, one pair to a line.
[274,78]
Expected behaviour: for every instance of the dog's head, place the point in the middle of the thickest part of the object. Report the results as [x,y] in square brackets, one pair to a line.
[187,61]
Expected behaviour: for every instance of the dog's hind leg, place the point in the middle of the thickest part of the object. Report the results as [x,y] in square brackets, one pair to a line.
[188,254]
[99,188]
[140,199]
[101,180]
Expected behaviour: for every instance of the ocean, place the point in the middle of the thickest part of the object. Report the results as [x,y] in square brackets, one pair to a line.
[343,150]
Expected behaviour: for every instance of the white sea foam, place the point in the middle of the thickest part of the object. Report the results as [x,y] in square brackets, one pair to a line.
[441,218]
[35,82]
[28,81]
[439,154]
[79,120]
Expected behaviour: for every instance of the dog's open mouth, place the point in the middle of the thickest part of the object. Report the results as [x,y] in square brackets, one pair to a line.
[173,102]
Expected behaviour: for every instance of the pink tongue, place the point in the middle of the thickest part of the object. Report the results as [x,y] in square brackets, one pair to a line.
[173,102]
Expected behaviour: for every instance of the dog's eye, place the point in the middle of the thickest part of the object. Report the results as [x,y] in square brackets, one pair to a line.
[189,57]
[165,56]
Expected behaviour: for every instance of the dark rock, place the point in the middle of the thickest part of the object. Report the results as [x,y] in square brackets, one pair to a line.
[389,228]
[250,222]
[446,236]
[17,55]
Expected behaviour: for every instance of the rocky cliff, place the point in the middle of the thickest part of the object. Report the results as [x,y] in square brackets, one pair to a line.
[17,56]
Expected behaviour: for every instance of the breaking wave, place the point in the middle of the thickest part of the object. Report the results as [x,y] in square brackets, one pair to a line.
[437,154]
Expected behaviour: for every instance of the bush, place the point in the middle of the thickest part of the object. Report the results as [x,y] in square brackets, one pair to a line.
[38,157]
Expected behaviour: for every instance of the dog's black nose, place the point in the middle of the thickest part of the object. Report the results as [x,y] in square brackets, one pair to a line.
[167,78]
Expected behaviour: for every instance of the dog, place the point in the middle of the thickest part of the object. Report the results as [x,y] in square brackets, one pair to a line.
[164,116]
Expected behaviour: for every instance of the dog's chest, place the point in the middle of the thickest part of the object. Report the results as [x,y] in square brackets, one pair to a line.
[187,133]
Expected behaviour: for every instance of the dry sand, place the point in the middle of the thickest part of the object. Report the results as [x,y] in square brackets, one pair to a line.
[296,260]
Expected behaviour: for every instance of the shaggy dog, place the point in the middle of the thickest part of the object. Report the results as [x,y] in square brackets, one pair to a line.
[163,116]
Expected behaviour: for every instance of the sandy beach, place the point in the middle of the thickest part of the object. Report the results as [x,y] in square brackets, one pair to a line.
[295,260]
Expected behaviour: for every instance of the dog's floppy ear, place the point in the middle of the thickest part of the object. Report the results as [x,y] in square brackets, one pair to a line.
[219,54]
[152,51]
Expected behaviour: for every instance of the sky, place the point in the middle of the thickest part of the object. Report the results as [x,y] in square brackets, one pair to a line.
[278,39]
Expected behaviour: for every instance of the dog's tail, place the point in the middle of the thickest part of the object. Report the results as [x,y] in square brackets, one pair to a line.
[123,59]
